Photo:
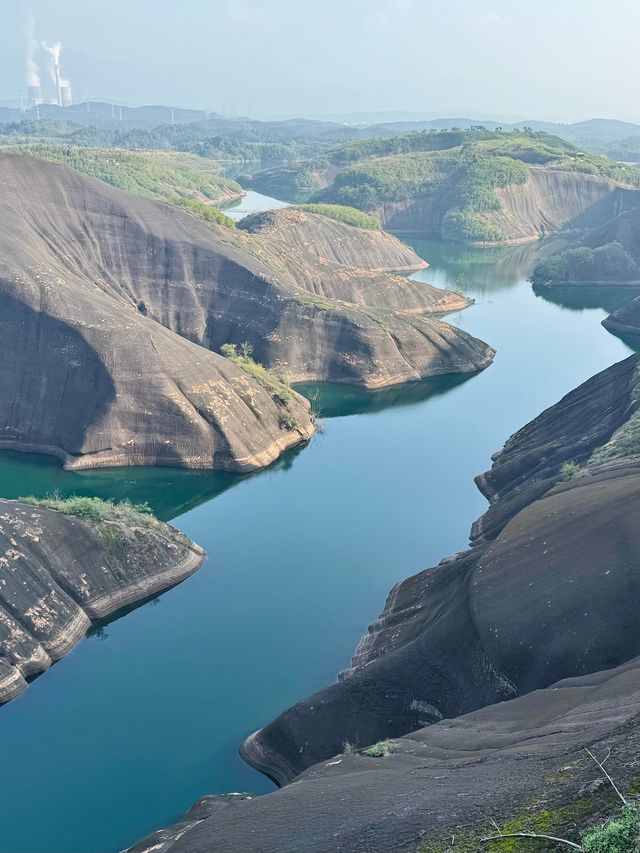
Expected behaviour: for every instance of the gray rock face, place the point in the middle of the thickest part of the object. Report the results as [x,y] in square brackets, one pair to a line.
[59,573]
[524,756]
[549,595]
[552,597]
[504,662]
[108,301]
[550,201]
[85,375]
[333,242]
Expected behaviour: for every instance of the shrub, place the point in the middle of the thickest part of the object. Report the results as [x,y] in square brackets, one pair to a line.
[271,380]
[323,305]
[342,213]
[380,749]
[571,470]
[562,266]
[205,211]
[96,509]
[621,835]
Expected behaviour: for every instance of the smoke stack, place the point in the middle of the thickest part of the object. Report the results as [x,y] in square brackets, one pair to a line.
[56,70]
[61,84]
[66,98]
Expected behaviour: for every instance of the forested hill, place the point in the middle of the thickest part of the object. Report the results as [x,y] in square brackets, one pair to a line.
[454,183]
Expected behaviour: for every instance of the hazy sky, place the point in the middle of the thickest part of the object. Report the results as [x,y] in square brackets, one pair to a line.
[553,59]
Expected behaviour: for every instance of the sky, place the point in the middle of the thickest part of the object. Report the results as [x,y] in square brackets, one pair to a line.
[560,60]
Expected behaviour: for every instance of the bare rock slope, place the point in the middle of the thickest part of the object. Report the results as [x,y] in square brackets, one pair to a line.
[519,764]
[59,573]
[110,302]
[549,201]
[484,677]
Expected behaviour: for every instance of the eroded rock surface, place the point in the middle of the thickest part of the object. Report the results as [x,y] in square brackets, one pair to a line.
[110,303]
[521,760]
[549,594]
[488,673]
[59,573]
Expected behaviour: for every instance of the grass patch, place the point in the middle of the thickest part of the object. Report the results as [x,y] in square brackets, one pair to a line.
[115,541]
[343,213]
[623,444]
[380,749]
[96,509]
[322,304]
[271,380]
[205,211]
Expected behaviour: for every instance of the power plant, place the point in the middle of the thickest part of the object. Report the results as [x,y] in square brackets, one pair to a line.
[60,95]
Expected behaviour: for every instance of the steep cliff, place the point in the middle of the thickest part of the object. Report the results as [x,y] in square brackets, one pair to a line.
[59,572]
[549,201]
[608,253]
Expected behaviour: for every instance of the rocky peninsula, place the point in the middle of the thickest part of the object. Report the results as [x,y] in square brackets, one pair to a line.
[65,564]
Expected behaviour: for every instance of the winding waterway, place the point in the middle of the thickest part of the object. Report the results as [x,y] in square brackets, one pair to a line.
[146,715]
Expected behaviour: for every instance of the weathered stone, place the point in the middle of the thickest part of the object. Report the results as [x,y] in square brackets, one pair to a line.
[59,573]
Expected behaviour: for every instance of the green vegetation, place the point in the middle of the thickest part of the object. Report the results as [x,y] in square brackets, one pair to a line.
[254,146]
[562,266]
[467,166]
[205,211]
[271,380]
[96,509]
[623,444]
[380,749]
[323,305]
[341,213]
[115,541]
[620,835]
[163,176]
[571,470]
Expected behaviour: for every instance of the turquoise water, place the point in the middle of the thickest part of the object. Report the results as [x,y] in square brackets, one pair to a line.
[125,733]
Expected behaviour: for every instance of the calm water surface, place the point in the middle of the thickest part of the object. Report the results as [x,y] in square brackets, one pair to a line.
[125,733]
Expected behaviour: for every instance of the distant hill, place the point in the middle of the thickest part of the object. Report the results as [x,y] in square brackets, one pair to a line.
[476,185]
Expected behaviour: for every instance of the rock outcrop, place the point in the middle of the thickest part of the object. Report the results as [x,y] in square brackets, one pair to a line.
[334,243]
[548,595]
[608,253]
[520,763]
[59,573]
[110,302]
[484,677]
[550,201]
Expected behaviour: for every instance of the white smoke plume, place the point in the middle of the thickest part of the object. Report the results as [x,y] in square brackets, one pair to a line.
[33,72]
[54,51]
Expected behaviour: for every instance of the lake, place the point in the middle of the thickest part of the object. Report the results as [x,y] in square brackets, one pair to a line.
[147,714]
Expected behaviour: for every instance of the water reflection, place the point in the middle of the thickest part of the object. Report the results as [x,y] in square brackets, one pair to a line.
[582,297]
[483,270]
[335,401]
